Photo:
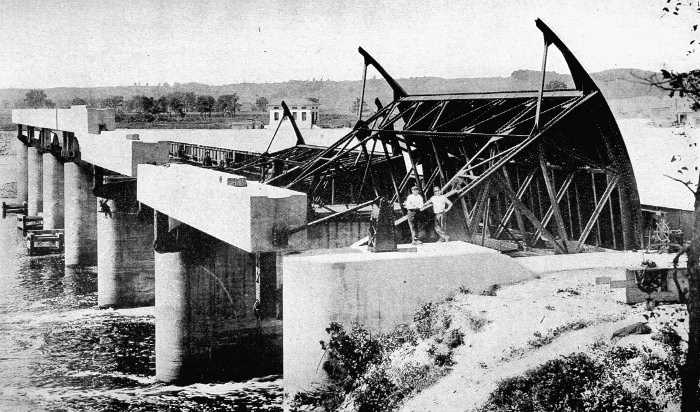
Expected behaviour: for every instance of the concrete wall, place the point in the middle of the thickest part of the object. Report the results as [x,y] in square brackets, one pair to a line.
[45,118]
[76,119]
[202,198]
[378,290]
[336,234]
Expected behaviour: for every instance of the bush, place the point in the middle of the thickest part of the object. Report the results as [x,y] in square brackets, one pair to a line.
[556,385]
[349,355]
[376,372]
[376,391]
[611,379]
[424,320]
[610,396]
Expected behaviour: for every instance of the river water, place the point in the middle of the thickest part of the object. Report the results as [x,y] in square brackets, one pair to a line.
[58,352]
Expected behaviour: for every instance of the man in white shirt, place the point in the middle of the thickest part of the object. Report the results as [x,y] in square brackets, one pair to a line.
[441,205]
[414,202]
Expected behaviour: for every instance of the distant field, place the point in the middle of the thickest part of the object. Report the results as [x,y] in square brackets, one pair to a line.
[5,143]
[8,188]
[6,119]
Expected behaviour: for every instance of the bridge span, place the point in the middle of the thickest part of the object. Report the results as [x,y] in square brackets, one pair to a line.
[195,242]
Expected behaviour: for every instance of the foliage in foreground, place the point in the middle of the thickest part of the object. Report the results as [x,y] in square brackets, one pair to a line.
[369,372]
[611,378]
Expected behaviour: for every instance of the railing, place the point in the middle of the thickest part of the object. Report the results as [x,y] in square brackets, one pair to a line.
[209,155]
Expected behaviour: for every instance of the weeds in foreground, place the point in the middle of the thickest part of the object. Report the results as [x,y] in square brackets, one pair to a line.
[611,378]
[377,372]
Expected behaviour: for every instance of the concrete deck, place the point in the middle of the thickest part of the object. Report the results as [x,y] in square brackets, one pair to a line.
[600,260]
[245,140]
[120,154]
[243,217]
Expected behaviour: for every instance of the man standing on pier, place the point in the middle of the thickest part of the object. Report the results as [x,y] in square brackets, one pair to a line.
[413,203]
[441,205]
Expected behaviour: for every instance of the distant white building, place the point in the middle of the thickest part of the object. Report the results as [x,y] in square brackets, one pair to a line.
[304,111]
[676,111]
[651,149]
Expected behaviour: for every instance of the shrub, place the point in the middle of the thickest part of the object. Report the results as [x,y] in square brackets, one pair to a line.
[376,391]
[349,355]
[424,319]
[611,379]
[610,396]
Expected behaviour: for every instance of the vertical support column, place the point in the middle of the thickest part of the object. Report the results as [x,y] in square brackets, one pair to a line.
[80,216]
[125,262]
[21,160]
[206,325]
[34,181]
[52,184]
[172,305]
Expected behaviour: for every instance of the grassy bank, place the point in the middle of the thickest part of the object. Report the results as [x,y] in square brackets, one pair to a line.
[546,344]
[376,372]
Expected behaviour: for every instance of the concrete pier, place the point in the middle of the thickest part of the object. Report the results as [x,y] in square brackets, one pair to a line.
[125,262]
[34,181]
[21,161]
[377,290]
[80,216]
[52,184]
[206,322]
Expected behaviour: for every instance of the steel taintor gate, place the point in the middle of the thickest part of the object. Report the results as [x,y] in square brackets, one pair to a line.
[545,168]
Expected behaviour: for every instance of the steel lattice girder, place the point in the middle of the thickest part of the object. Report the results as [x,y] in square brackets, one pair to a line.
[554,157]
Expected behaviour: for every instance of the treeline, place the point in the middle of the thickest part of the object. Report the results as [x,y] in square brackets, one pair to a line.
[174,104]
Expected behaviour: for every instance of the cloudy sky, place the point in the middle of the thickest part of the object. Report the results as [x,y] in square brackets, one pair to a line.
[108,42]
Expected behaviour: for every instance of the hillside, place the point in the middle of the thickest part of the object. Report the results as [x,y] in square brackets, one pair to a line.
[338,96]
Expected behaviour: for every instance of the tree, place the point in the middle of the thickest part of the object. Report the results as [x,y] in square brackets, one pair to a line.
[261,103]
[687,84]
[36,98]
[113,102]
[205,104]
[556,85]
[228,104]
[176,103]
[161,105]
[189,99]
[356,107]
[142,104]
[77,101]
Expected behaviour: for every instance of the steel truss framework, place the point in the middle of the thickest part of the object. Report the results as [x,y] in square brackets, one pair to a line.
[548,168]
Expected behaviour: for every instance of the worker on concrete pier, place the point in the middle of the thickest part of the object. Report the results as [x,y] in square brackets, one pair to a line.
[441,205]
[414,202]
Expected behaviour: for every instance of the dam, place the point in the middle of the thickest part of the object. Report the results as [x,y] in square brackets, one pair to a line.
[230,242]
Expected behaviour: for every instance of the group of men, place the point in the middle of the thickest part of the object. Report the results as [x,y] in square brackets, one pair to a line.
[441,205]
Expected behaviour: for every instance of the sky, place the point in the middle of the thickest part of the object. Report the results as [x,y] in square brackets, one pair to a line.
[108,42]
